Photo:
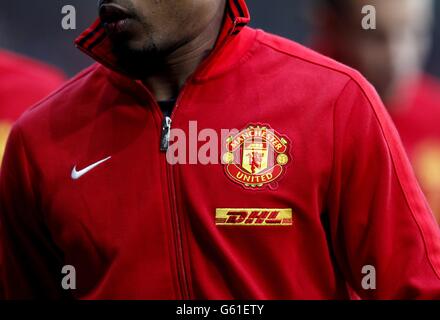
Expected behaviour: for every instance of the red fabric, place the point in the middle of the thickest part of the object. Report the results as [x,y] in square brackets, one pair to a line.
[416,113]
[137,227]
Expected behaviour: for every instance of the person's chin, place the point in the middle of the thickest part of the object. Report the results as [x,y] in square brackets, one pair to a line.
[133,48]
[134,57]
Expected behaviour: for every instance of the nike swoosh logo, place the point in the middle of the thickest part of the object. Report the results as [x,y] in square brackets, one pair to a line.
[78,174]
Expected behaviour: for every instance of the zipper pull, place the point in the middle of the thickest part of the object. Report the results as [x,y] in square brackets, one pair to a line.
[165,136]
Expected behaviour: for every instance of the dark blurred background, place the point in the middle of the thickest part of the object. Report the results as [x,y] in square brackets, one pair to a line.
[34,28]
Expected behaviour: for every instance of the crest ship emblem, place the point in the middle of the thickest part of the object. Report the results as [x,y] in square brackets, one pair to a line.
[256,157]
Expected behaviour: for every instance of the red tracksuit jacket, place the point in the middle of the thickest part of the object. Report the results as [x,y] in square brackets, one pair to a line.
[339,196]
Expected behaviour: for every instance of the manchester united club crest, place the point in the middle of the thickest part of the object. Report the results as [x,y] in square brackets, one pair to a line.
[256,157]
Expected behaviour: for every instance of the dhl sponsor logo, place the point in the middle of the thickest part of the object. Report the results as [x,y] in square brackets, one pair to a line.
[253,217]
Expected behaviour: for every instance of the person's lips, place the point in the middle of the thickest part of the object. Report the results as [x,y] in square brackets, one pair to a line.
[114,17]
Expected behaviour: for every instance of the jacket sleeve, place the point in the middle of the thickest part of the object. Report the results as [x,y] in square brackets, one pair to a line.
[384,235]
[31,263]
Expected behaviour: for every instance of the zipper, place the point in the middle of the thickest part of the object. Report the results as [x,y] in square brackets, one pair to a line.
[182,274]
[164,146]
[165,135]
[177,223]
[165,142]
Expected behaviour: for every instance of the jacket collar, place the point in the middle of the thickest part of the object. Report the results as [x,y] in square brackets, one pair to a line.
[95,42]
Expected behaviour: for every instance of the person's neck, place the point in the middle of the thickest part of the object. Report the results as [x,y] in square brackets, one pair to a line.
[170,77]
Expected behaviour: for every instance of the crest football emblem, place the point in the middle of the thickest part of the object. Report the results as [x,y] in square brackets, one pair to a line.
[256,157]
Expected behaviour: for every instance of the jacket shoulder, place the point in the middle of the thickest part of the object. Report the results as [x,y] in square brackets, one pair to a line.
[342,85]
[311,59]
[66,99]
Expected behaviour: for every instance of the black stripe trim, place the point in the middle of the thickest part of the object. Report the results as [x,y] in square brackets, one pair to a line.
[239,8]
[97,41]
[90,35]
[230,12]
